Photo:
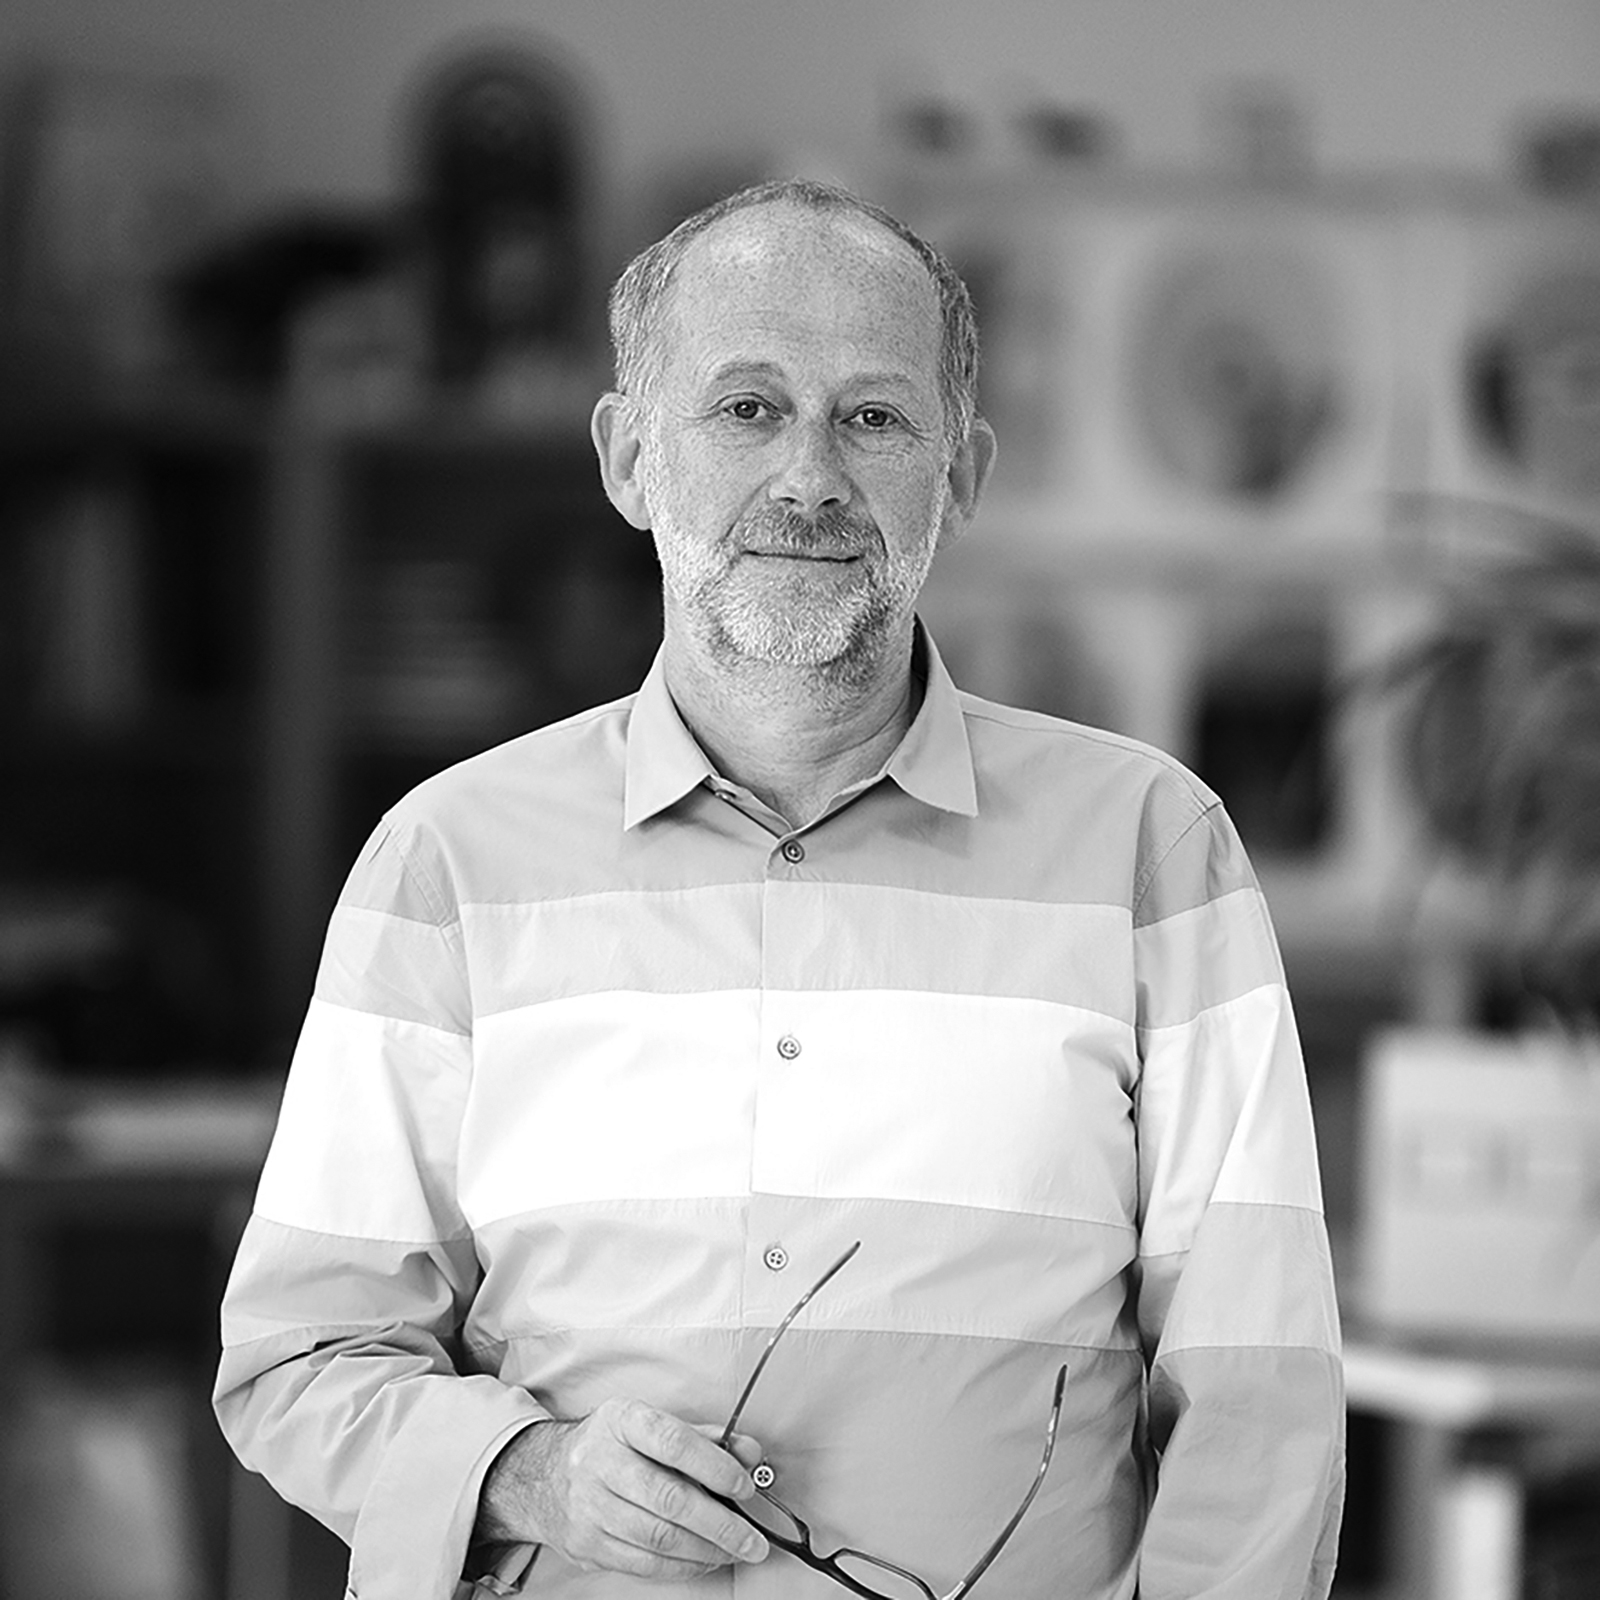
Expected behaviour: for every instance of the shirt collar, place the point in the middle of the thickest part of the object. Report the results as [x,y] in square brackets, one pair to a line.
[664,761]
[933,763]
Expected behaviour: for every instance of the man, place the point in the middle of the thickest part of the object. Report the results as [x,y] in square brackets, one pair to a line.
[629,1028]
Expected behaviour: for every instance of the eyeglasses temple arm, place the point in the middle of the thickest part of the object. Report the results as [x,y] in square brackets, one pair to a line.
[777,1334]
[1027,1500]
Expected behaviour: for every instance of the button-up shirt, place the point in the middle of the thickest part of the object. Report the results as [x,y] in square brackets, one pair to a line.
[606,1063]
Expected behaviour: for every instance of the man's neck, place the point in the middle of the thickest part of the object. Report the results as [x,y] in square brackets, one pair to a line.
[794,736]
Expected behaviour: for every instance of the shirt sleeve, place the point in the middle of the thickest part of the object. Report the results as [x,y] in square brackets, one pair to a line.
[1236,1294]
[340,1378]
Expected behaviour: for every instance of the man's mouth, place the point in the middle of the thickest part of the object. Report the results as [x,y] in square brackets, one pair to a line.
[835,557]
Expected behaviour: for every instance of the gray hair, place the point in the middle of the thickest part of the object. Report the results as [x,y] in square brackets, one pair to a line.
[639,296]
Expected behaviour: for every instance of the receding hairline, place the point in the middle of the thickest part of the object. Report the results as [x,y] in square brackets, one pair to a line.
[865,229]
[641,296]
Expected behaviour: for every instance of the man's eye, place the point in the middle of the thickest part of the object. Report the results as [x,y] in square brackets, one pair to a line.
[876,419]
[746,409]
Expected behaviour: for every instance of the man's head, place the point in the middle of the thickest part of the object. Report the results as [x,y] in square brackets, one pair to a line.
[640,296]
[795,425]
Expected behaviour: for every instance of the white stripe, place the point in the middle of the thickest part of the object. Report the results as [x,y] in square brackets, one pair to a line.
[1016,1105]
[365,1144]
[610,1096]
[1224,1115]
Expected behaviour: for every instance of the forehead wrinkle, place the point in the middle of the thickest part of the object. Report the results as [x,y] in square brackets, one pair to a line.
[788,237]
[755,367]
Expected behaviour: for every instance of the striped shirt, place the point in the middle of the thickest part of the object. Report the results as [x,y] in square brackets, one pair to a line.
[605,1063]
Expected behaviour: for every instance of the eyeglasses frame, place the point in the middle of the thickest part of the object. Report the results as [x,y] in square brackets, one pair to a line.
[802,1547]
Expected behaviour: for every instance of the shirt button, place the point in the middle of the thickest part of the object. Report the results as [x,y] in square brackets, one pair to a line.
[793,852]
[763,1476]
[788,1047]
[775,1258]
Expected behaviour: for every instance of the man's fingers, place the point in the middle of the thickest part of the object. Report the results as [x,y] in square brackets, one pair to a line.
[685,1449]
[633,1489]
[675,1538]
[746,1451]
[675,1516]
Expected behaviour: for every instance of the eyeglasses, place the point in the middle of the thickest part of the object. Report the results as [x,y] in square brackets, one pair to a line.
[852,1568]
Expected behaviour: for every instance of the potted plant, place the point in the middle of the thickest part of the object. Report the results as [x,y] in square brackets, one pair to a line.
[1481,1152]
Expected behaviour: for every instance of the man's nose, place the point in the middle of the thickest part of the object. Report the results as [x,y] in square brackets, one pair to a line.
[812,473]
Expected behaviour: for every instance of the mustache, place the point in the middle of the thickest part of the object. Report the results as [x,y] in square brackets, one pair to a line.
[833,531]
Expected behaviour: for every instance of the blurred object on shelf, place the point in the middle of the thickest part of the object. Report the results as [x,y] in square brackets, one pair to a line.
[24,1092]
[1263,720]
[110,980]
[497,134]
[429,665]
[89,659]
[591,622]
[1179,366]
[1236,381]
[1261,130]
[116,180]
[96,1485]
[191,1124]
[1558,154]
[357,355]
[931,127]
[239,301]
[1061,135]
[931,133]
[1480,1162]
[1536,383]
[1503,324]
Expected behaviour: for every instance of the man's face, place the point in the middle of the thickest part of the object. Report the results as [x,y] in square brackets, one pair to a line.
[794,461]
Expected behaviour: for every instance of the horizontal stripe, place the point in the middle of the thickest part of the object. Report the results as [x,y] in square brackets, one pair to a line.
[791,935]
[670,941]
[1197,959]
[333,1281]
[1224,1115]
[1283,1453]
[915,1447]
[365,1144]
[612,1096]
[393,966]
[946,1099]
[1228,1288]
[657,1265]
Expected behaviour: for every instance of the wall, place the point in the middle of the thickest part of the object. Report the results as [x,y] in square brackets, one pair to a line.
[1386,83]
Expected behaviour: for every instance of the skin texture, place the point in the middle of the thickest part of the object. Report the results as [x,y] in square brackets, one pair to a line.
[619,1491]
[790,459]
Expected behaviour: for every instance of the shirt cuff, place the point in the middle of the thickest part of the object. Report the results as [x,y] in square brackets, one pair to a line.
[502,1571]
[412,1536]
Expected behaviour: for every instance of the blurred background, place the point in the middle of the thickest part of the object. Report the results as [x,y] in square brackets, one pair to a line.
[1292,338]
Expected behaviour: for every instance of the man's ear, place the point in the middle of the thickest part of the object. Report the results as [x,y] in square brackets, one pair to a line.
[618,442]
[969,472]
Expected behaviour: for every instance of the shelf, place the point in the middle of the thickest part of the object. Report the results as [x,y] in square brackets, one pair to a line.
[70,420]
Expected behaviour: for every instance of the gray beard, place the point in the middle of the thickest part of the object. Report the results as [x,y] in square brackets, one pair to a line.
[746,617]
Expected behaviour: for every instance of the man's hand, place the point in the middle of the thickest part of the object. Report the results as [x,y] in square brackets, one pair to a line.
[622,1491]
